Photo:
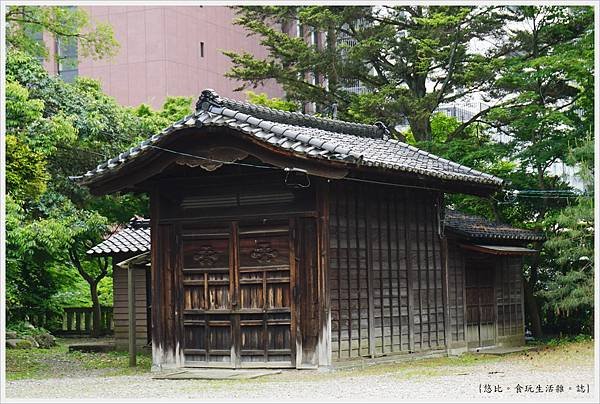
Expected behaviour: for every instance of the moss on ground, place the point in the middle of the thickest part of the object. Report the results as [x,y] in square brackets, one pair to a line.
[57,362]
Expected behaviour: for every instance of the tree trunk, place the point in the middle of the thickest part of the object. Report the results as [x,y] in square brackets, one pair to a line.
[420,125]
[532,309]
[95,310]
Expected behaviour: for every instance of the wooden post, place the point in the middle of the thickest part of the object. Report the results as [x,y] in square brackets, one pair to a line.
[445,290]
[69,320]
[88,321]
[369,263]
[131,310]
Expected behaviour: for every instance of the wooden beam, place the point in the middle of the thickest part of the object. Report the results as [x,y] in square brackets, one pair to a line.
[397,268]
[390,272]
[499,250]
[357,213]
[417,219]
[409,274]
[338,269]
[178,294]
[236,337]
[428,269]
[503,294]
[380,269]
[295,232]
[437,254]
[131,310]
[198,140]
[155,277]
[369,274]
[445,287]
[323,290]
[464,294]
[456,265]
[348,271]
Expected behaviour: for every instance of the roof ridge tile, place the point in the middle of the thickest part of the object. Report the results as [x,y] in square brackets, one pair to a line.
[321,137]
[210,98]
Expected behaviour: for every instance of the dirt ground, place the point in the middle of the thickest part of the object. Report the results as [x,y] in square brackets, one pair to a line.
[551,373]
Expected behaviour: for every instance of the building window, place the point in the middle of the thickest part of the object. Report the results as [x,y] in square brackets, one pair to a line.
[66,55]
[201,49]
[314,37]
[66,58]
[299,29]
[38,38]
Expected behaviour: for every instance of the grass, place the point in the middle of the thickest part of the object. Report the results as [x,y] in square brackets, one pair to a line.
[59,362]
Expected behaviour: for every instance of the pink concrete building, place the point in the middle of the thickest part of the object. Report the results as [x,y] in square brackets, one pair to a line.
[165,51]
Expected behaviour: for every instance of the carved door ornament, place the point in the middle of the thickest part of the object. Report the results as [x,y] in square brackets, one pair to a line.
[263,252]
[206,256]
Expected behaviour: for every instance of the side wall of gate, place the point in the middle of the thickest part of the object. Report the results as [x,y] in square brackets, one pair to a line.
[385,271]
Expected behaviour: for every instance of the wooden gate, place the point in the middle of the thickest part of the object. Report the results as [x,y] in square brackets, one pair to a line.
[237,300]
[481,320]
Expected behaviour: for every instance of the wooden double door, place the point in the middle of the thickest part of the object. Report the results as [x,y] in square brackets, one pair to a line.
[238,308]
[481,306]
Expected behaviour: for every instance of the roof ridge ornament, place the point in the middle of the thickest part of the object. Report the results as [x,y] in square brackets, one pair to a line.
[386,132]
[207,98]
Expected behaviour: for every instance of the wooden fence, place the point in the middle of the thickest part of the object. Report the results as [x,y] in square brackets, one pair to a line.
[78,320]
[71,321]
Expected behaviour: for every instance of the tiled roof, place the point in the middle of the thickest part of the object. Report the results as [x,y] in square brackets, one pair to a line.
[134,238]
[307,136]
[477,227]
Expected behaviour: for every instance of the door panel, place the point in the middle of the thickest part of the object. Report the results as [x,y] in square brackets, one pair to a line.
[237,295]
[481,321]
[265,294]
[207,302]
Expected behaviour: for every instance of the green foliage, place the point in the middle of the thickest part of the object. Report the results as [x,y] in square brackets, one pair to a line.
[546,81]
[577,339]
[472,147]
[396,51]
[26,174]
[173,110]
[570,289]
[56,130]
[541,70]
[573,237]
[23,328]
[176,108]
[21,111]
[67,24]
[36,267]
[276,103]
[105,291]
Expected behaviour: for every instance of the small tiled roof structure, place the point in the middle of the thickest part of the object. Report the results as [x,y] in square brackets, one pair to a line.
[133,238]
[477,227]
[305,136]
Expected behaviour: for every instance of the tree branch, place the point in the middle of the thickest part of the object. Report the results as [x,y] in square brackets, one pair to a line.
[51,28]
[450,68]
[103,265]
[481,113]
[75,261]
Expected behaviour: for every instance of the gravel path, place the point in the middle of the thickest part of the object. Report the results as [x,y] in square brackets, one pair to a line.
[388,383]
